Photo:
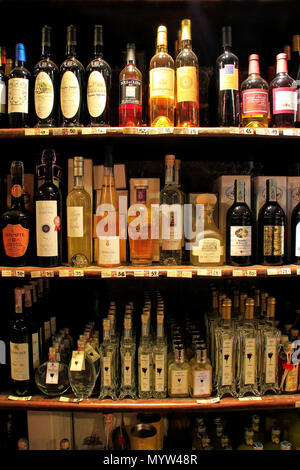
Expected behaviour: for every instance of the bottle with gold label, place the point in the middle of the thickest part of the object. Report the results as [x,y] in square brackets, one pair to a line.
[162,83]
[289,379]
[201,375]
[187,80]
[207,246]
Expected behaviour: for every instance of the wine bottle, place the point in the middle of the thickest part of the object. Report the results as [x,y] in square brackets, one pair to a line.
[71,84]
[130,85]
[19,91]
[283,95]
[239,226]
[20,351]
[295,236]
[99,76]
[48,218]
[46,85]
[295,72]
[15,222]
[227,79]
[34,339]
[271,228]
[3,111]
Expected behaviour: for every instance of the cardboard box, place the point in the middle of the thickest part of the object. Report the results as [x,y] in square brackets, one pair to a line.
[119,176]
[46,429]
[293,197]
[28,191]
[87,176]
[89,431]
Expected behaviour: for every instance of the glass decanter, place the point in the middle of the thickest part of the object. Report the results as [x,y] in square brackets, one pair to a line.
[51,377]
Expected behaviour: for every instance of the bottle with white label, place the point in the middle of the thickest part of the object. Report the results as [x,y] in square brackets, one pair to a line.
[179,375]
[130,92]
[108,388]
[160,384]
[145,360]
[48,218]
[98,79]
[201,375]
[72,75]
[79,220]
[18,100]
[82,372]
[128,361]
[46,74]
[51,377]
[3,89]
[20,350]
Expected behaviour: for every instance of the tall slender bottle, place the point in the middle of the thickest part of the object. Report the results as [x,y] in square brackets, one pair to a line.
[46,74]
[71,84]
[162,83]
[79,219]
[295,250]
[255,96]
[19,91]
[295,71]
[227,78]
[187,80]
[98,77]
[34,339]
[283,95]
[130,95]
[145,360]
[160,379]
[3,89]
[15,221]
[48,218]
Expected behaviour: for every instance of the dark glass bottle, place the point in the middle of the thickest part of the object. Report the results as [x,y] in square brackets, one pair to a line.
[20,351]
[18,102]
[3,91]
[34,338]
[239,227]
[295,72]
[227,79]
[130,92]
[46,85]
[283,95]
[15,222]
[72,76]
[98,88]
[295,235]
[36,312]
[271,228]
[48,218]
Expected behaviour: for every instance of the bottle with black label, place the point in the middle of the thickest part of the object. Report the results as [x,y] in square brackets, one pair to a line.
[130,105]
[46,85]
[98,84]
[71,84]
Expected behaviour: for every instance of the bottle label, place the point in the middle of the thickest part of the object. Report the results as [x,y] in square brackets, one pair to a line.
[145,372]
[291,383]
[270,360]
[173,243]
[43,95]
[35,350]
[127,370]
[77,361]
[159,367]
[162,81]
[284,100]
[130,91]
[69,94]
[249,361]
[240,240]
[186,79]
[19,360]
[52,373]
[202,380]
[15,240]
[92,352]
[47,330]
[297,242]
[255,101]
[109,250]
[229,77]
[75,221]
[274,240]
[2,97]
[107,371]
[46,228]
[208,250]
[227,376]
[18,89]
[96,94]
[179,382]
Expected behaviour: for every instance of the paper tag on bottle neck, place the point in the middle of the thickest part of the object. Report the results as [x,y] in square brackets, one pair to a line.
[77,362]
[52,373]
[92,352]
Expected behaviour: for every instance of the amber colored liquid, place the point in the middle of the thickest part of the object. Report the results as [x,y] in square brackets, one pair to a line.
[141,250]
[187,114]
[162,111]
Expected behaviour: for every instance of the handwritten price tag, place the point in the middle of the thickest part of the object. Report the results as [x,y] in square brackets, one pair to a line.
[285,271]
[48,273]
[250,399]
[14,398]
[78,273]
[121,274]
[153,273]
[237,273]
[44,131]
[216,272]
[139,273]
[272,272]
[202,272]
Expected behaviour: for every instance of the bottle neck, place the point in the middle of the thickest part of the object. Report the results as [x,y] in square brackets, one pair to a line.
[45,51]
[253,67]
[186,44]
[48,171]
[169,175]
[239,191]
[78,181]
[71,50]
[271,190]
[281,66]
[98,51]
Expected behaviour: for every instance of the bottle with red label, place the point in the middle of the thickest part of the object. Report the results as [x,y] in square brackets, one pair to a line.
[15,222]
[130,107]
[283,95]
[255,96]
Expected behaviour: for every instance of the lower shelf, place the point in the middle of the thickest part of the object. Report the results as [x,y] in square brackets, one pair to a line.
[163,405]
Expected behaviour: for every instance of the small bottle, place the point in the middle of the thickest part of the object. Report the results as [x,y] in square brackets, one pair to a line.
[283,95]
[130,92]
[34,327]
[71,84]
[98,76]
[295,228]
[274,444]
[108,364]
[46,85]
[128,361]
[255,96]
[179,375]
[160,380]
[18,100]
[295,71]
[201,375]
[79,219]
[81,372]
[248,440]
[51,377]
[145,360]
[259,436]
[3,88]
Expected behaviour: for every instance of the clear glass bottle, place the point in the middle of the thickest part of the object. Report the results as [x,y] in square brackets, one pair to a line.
[108,388]
[259,436]
[160,382]
[171,225]
[128,361]
[199,432]
[81,372]
[52,376]
[201,375]
[274,444]
[130,95]
[248,440]
[79,219]
[145,360]
[179,375]
[207,247]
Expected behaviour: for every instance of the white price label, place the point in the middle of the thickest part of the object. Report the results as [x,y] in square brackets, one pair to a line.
[161,130]
[208,401]
[106,274]
[187,274]
[64,273]
[216,272]
[14,398]
[52,373]
[35,274]
[171,273]
[272,272]
[72,131]
[121,273]
[202,272]
[20,273]
[48,273]
[298,271]
[78,273]
[139,273]
[6,273]
[237,273]
[44,131]
[289,132]
[251,273]
[153,273]
[57,131]
[250,399]
[29,131]
[285,271]
[234,130]
[77,362]
[247,131]
[64,399]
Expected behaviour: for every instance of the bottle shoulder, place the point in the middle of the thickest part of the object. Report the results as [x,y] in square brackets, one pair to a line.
[98,64]
[130,71]
[71,63]
[283,80]
[19,72]
[227,57]
[271,209]
[186,57]
[254,81]
[77,195]
[162,59]
[45,65]
[48,191]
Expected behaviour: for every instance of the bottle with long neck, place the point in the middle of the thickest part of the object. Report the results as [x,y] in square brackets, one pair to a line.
[145,360]
[187,80]
[48,218]
[79,219]
[160,384]
[16,221]
[130,95]
[3,90]
[46,85]
[98,84]
[227,77]
[19,91]
[162,83]
[71,84]
[128,360]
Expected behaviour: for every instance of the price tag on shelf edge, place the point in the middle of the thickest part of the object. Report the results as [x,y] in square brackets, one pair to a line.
[6,273]
[20,273]
[237,273]
[78,273]
[251,273]
[139,273]
[106,274]
[172,273]
[35,274]
[187,274]
[64,273]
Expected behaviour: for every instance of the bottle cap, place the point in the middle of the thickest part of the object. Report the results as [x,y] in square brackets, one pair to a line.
[186,30]
[249,309]
[227,36]
[170,160]
[46,35]
[20,52]
[98,35]
[296,42]
[71,35]
[287,51]
[162,36]
[78,166]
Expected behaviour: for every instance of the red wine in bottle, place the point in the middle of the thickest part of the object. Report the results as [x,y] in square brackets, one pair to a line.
[130,92]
